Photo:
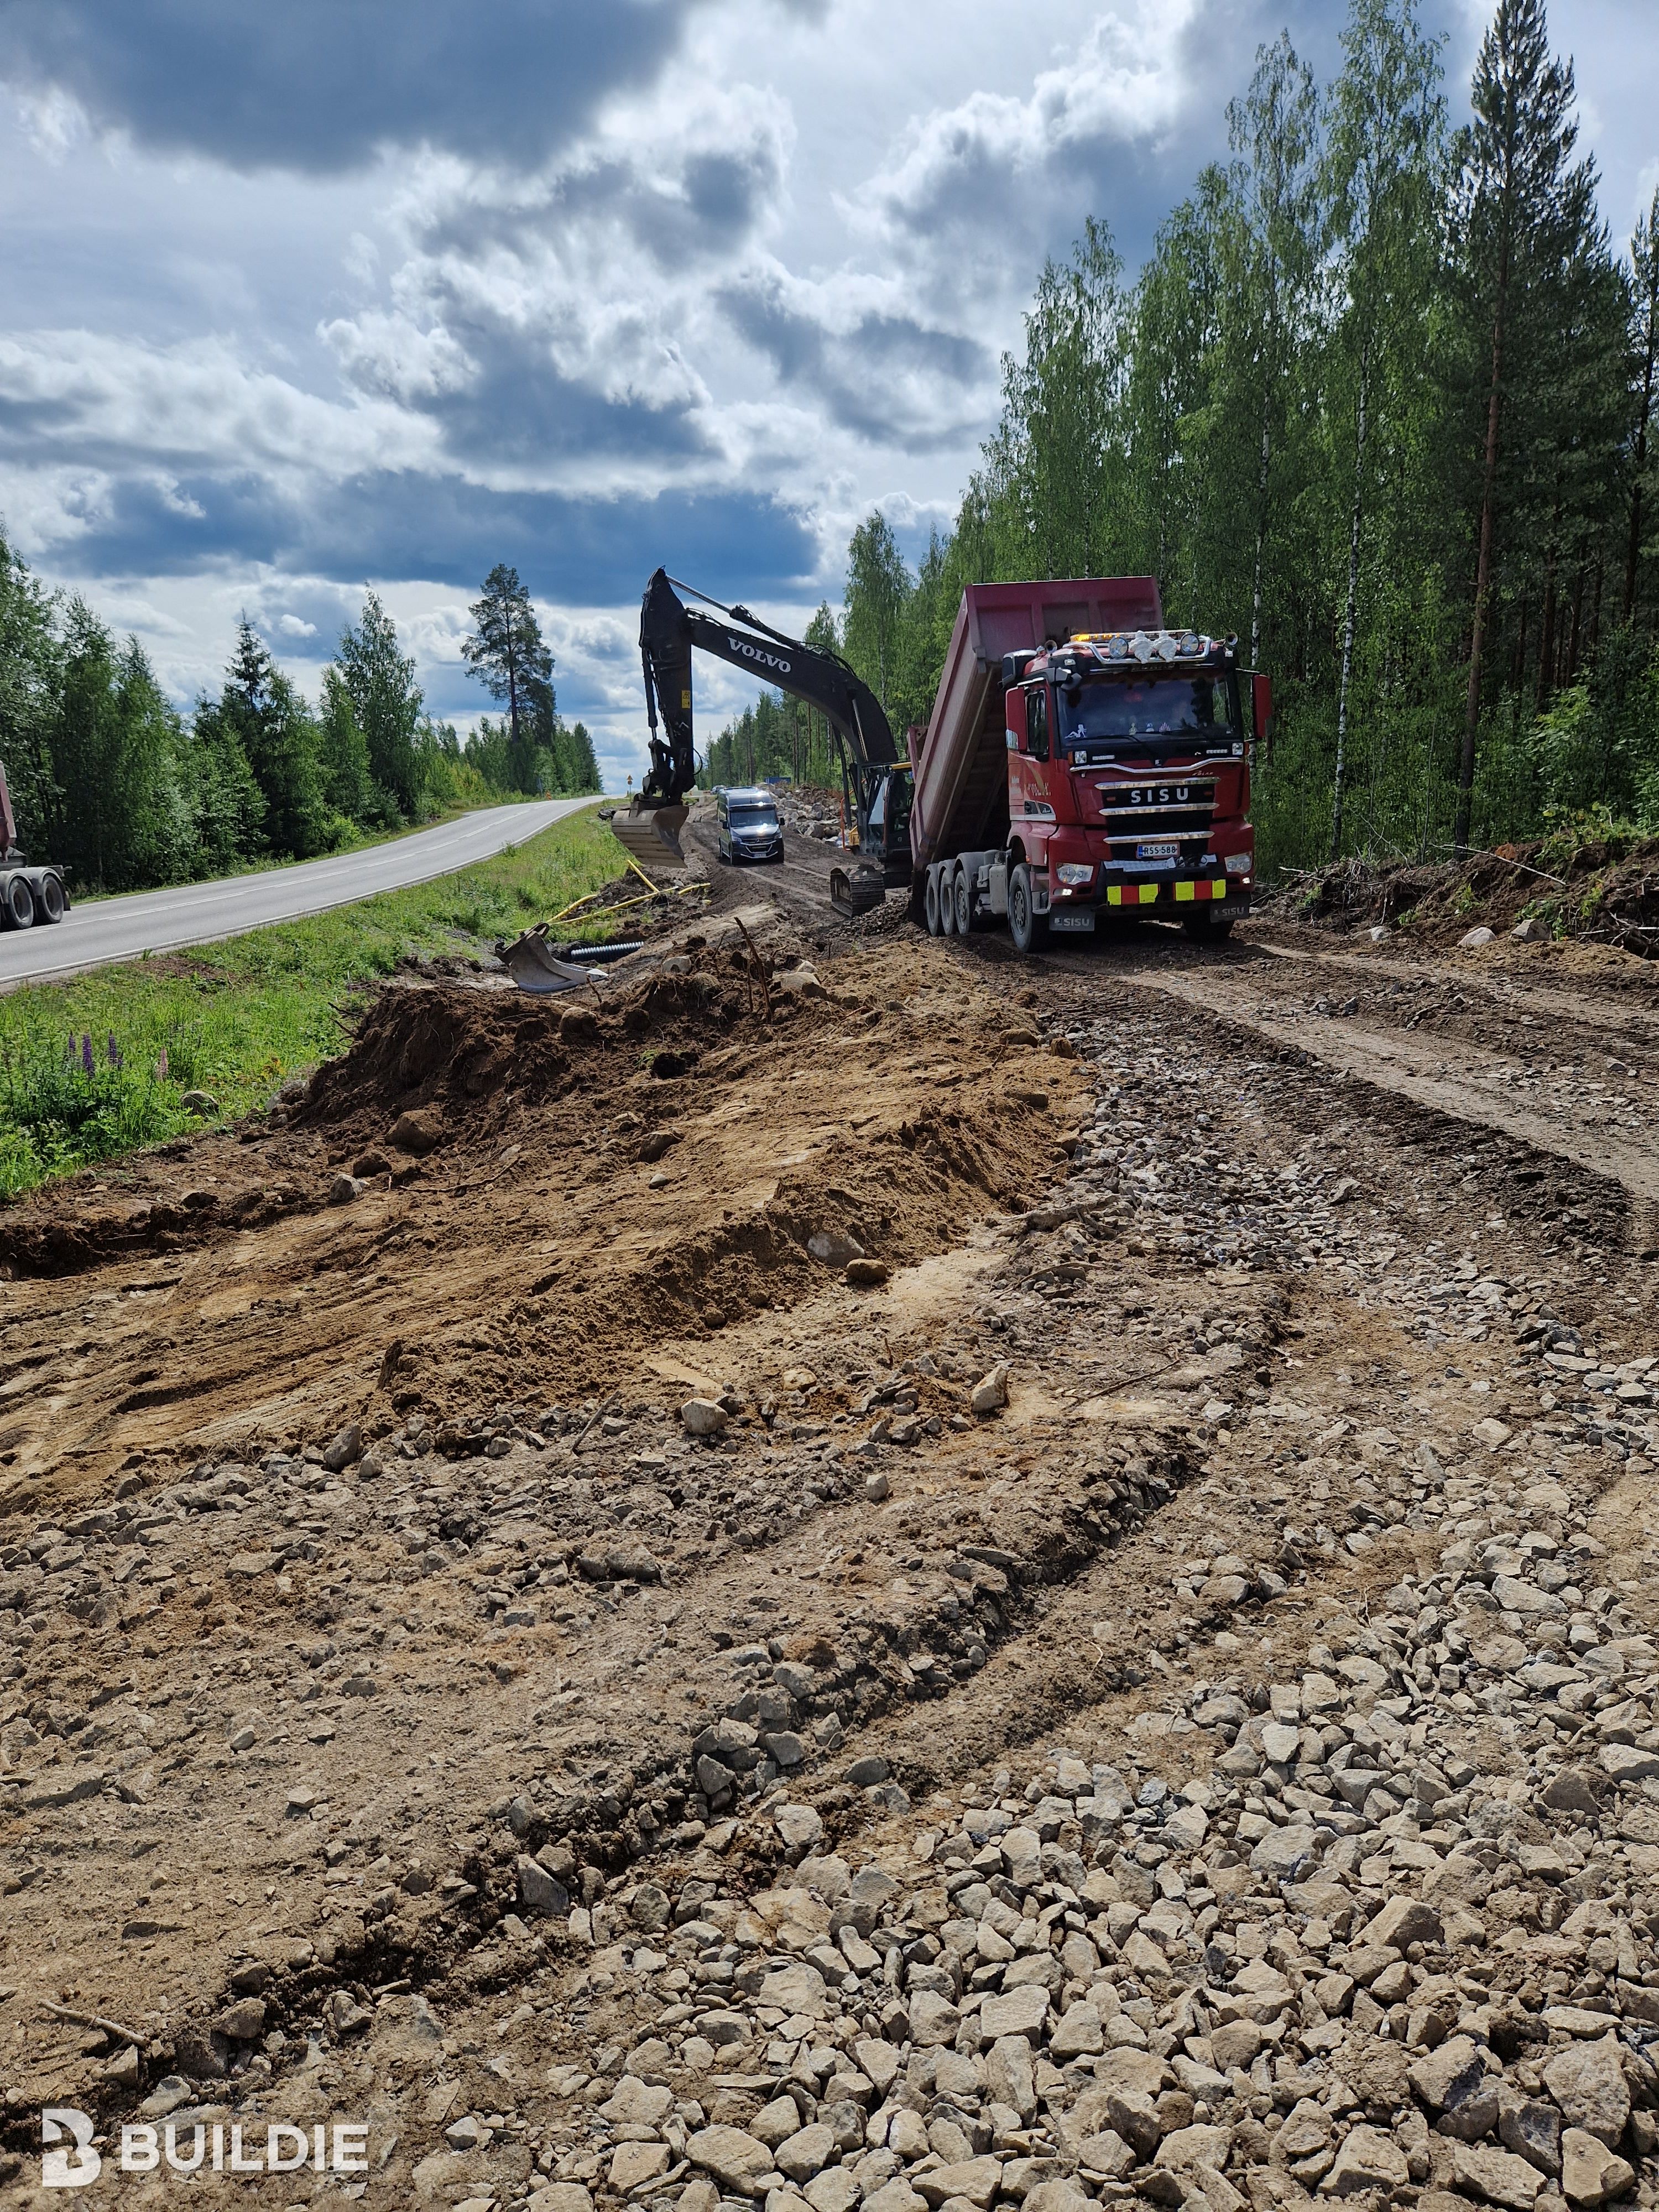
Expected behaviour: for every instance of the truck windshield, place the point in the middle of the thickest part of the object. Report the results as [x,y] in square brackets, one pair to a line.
[1143,707]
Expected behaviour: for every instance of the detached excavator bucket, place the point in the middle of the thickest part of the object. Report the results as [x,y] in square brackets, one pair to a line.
[536,965]
[651,835]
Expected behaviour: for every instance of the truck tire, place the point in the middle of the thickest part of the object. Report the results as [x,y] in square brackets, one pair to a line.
[52,900]
[963,893]
[1028,929]
[18,903]
[930,906]
[947,902]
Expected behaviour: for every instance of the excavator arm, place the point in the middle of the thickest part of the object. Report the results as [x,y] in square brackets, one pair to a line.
[669,632]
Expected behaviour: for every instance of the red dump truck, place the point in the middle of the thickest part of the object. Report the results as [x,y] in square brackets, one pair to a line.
[1083,761]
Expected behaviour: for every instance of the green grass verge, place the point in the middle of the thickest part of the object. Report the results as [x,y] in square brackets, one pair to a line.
[98,1064]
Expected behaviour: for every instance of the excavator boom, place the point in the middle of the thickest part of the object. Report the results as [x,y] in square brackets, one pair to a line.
[669,632]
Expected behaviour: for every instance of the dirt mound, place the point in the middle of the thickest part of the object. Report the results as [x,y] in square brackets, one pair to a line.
[1605,891]
[589,1179]
[474,1053]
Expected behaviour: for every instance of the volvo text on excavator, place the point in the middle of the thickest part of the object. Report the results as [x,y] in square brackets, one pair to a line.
[875,781]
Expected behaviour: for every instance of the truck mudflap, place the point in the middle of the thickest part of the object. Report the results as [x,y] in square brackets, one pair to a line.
[1169,894]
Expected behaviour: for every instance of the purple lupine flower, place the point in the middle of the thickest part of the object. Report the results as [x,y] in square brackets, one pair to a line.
[88,1059]
[114,1051]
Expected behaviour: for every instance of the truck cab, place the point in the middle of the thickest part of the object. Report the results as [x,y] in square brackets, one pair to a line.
[1128,779]
[1083,760]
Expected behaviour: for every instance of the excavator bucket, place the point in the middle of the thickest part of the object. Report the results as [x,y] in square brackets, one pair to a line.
[854,891]
[538,966]
[651,835]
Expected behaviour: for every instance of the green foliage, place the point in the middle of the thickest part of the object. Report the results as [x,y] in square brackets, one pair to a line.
[235,1019]
[378,684]
[1286,419]
[123,793]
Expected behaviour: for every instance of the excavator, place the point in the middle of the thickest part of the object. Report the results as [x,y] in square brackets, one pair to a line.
[876,782]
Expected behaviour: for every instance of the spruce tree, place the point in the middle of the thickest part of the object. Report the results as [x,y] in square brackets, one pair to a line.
[1513,217]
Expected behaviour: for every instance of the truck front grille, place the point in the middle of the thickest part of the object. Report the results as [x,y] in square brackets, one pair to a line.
[1137,813]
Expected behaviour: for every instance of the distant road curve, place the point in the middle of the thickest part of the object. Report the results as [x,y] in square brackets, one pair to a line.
[109,929]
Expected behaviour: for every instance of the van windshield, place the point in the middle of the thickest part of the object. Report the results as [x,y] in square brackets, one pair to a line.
[752,814]
[1141,706]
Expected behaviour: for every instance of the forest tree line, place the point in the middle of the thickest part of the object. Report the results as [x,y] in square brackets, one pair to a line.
[110,781]
[1380,403]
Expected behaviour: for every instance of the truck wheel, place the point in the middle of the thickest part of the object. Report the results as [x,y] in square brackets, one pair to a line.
[18,901]
[1027,927]
[947,902]
[51,899]
[965,903]
[931,907]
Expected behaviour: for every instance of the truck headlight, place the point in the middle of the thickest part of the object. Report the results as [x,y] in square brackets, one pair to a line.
[1075,872]
[1239,864]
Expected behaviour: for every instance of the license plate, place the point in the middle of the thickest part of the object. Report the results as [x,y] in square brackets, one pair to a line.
[1170,851]
[1076,917]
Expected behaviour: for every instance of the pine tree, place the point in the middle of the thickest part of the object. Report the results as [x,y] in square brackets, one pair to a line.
[506,653]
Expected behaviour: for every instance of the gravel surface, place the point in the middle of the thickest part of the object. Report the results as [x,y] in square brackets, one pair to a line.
[1135,1684]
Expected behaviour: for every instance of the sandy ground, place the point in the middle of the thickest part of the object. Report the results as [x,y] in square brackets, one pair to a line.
[1257,1232]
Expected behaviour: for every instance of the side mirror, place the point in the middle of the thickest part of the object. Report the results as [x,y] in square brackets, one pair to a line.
[1261,712]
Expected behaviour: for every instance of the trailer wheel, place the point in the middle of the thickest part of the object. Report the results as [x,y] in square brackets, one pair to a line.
[1025,926]
[51,899]
[18,902]
[931,905]
[965,903]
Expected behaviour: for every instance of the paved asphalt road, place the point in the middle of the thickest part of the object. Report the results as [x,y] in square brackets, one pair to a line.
[108,929]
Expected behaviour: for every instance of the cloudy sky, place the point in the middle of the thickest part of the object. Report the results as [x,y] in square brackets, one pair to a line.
[301,296]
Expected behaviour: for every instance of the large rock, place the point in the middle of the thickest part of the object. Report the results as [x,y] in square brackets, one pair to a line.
[1134,2116]
[703,1417]
[1590,2173]
[1532,2129]
[417,1132]
[990,1393]
[797,1988]
[735,2157]
[806,2152]
[1482,2170]
[1453,2079]
[637,2103]
[1404,1921]
[777,2121]
[1587,2081]
[1368,2158]
[1018,2012]
[975,2180]
[1196,2146]
[895,2195]
[1077,2035]
[1283,1855]
[934,2020]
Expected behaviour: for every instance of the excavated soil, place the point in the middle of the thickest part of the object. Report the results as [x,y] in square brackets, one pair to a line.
[415,1704]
